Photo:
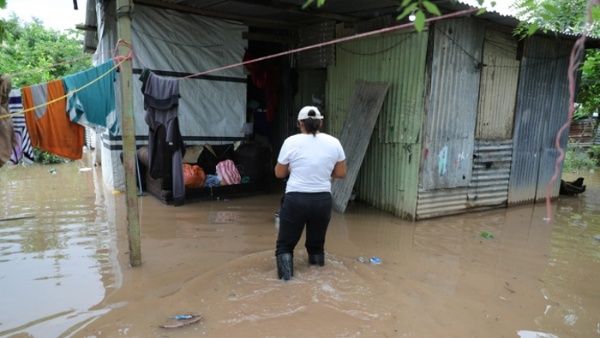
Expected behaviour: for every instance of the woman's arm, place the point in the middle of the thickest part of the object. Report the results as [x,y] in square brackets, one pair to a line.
[282,170]
[339,170]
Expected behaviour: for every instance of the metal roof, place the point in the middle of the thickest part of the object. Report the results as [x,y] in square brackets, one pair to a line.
[288,14]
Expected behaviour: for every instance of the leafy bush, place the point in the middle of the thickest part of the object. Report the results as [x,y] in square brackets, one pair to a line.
[44,157]
[594,154]
[576,159]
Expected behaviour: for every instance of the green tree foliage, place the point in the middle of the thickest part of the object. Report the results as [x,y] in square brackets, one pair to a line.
[33,54]
[589,89]
[564,16]
[2,6]
[570,17]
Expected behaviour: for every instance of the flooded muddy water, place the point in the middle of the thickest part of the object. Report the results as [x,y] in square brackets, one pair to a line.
[64,271]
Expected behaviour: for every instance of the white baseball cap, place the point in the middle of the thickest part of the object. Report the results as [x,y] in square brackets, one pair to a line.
[305,113]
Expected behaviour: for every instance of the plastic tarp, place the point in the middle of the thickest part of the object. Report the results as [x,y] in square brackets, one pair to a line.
[178,44]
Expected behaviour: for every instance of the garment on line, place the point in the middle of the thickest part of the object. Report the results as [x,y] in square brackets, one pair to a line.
[165,143]
[49,126]
[94,105]
[22,150]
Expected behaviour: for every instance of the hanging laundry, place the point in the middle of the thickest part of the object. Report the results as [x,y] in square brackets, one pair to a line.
[165,143]
[93,106]
[49,126]
[6,129]
[22,150]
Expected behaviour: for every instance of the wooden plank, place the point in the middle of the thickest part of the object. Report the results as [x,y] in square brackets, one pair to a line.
[365,105]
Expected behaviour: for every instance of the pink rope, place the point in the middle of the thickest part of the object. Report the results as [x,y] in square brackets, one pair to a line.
[335,41]
[121,58]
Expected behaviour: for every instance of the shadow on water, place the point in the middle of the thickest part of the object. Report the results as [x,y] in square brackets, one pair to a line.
[66,269]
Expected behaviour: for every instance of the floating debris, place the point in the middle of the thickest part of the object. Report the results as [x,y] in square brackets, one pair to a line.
[375,260]
[181,320]
[486,235]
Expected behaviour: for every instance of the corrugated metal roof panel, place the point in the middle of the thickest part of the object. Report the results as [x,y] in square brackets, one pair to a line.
[453,98]
[498,89]
[389,172]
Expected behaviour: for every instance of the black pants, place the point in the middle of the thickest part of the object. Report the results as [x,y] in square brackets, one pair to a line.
[300,209]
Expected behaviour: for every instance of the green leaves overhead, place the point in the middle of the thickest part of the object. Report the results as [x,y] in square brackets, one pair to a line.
[419,21]
[431,8]
[320,3]
[418,8]
[407,10]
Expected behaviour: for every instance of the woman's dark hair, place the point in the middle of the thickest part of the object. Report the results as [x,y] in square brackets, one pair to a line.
[312,126]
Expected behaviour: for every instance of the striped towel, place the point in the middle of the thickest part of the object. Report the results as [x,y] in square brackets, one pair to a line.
[228,173]
[22,150]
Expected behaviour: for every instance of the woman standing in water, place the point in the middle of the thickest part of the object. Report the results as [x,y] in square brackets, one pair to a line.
[311,159]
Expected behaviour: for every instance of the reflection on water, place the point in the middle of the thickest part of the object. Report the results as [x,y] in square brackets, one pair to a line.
[55,262]
[438,277]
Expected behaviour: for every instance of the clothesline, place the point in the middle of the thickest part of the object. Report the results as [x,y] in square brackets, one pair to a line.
[69,93]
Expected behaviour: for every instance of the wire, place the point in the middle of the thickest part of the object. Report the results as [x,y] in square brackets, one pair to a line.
[347,50]
[476,60]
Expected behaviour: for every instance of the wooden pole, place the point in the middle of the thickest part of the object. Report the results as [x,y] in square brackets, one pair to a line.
[128,131]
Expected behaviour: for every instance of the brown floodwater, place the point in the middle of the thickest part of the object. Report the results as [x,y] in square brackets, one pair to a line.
[64,268]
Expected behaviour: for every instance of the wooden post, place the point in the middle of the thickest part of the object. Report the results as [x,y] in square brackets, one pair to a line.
[128,132]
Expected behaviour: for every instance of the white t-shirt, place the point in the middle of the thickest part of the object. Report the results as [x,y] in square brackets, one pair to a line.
[311,160]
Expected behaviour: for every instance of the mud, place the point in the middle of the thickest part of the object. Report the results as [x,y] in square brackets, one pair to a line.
[65,271]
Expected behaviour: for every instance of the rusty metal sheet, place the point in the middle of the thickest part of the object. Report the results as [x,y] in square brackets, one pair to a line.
[498,88]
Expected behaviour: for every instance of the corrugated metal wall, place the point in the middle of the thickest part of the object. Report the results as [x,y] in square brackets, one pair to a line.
[488,187]
[491,171]
[453,98]
[542,100]
[389,174]
[554,121]
[498,90]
